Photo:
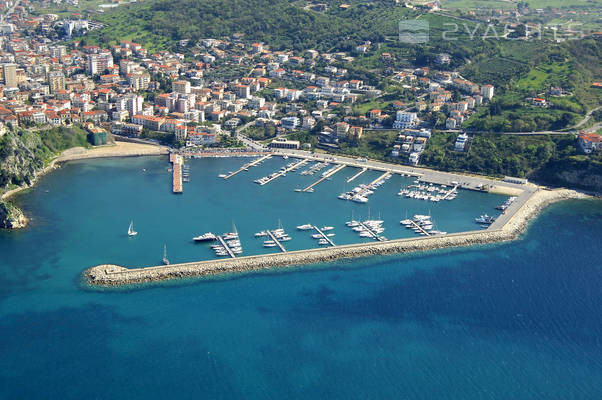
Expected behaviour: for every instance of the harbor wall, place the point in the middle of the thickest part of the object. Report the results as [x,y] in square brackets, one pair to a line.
[114,275]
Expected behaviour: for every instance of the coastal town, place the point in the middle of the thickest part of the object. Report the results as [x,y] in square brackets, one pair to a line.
[129,91]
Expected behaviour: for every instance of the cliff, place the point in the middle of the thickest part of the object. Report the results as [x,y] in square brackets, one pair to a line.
[11,217]
[19,158]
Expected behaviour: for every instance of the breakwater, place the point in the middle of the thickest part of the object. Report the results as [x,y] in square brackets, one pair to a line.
[114,275]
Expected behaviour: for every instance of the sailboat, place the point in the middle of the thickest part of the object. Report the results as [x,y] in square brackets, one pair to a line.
[131,231]
[165,259]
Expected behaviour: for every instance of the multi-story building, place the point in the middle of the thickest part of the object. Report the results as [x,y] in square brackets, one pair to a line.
[98,63]
[405,120]
[182,87]
[10,75]
[56,81]
[131,103]
[487,91]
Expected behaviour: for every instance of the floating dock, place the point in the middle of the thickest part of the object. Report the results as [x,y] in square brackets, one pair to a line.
[276,241]
[223,243]
[340,167]
[356,175]
[324,236]
[291,168]
[176,160]
[247,166]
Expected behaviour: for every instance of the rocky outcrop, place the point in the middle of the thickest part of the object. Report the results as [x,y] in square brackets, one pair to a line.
[11,217]
[19,164]
[113,275]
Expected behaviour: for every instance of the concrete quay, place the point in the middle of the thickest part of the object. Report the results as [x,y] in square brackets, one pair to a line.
[113,275]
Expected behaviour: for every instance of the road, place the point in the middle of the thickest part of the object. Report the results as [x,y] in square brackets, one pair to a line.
[9,11]
[251,144]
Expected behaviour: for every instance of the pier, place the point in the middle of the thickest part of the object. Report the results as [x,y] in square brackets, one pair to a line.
[340,167]
[276,240]
[415,225]
[449,193]
[223,243]
[369,230]
[380,178]
[247,166]
[176,161]
[279,174]
[324,236]
[356,175]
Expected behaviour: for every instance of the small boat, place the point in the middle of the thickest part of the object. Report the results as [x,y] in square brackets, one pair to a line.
[316,236]
[285,238]
[484,219]
[305,227]
[310,190]
[269,243]
[261,234]
[327,228]
[222,175]
[165,259]
[331,234]
[323,242]
[131,231]
[205,237]
[298,190]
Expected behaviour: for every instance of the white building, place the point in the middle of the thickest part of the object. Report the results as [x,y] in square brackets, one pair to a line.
[461,141]
[487,91]
[405,120]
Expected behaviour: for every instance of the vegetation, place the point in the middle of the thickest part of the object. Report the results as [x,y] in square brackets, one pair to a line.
[550,159]
[24,152]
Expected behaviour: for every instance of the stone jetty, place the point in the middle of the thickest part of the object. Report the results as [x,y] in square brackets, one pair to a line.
[114,275]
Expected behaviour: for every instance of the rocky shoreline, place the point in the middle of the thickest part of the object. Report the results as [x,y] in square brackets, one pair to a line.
[108,275]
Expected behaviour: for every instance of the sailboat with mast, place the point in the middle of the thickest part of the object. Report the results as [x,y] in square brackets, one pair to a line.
[165,259]
[131,231]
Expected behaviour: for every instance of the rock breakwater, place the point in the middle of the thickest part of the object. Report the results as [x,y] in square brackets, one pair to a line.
[113,275]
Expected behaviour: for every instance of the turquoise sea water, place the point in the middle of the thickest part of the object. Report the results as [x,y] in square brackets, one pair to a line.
[520,320]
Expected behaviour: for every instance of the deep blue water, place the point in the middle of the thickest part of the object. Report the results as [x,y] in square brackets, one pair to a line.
[520,320]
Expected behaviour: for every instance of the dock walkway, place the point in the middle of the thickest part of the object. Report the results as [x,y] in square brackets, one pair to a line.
[383,176]
[340,167]
[356,175]
[223,243]
[453,190]
[247,166]
[276,241]
[420,228]
[324,235]
[374,234]
[291,168]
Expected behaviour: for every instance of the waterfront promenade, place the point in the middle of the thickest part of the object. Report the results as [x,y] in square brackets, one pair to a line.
[507,229]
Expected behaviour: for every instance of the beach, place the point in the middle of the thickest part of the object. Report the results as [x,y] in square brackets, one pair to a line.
[119,149]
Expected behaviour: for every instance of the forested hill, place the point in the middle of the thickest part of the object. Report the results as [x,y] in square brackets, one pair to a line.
[280,23]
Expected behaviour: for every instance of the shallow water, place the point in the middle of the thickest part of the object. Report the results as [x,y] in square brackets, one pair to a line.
[519,320]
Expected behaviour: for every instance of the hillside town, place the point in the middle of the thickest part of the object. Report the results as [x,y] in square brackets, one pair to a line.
[218,89]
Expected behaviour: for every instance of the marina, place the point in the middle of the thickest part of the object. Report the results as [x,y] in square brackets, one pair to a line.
[210,200]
